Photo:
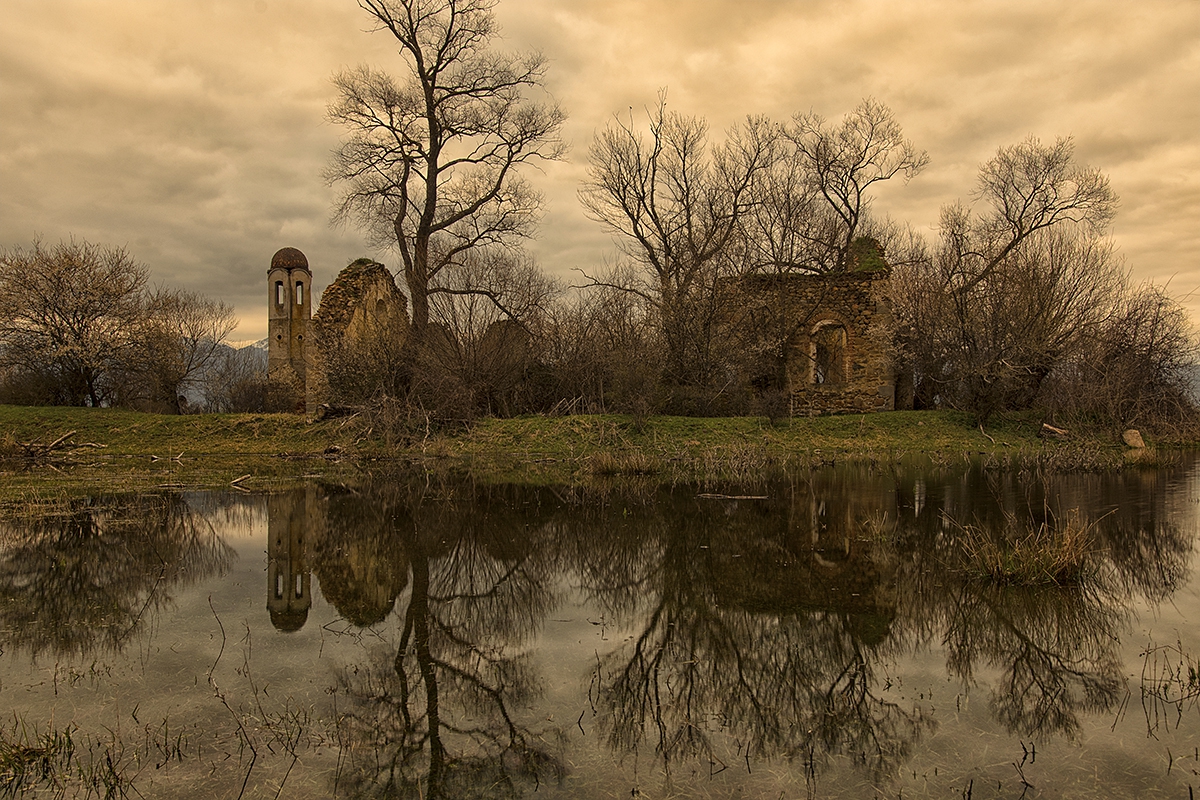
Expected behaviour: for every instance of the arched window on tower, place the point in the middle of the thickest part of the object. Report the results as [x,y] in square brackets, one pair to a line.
[279,295]
[829,354]
[299,293]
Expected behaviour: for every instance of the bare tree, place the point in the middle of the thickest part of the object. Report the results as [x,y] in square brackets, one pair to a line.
[68,316]
[1012,290]
[1026,188]
[237,382]
[430,165]
[674,204]
[839,164]
[487,314]
[1139,367]
[992,348]
[180,347]
[603,352]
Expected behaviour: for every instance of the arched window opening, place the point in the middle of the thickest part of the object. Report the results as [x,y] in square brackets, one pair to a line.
[299,293]
[829,355]
[279,296]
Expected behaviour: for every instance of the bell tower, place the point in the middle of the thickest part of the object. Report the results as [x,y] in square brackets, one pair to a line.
[289,583]
[289,304]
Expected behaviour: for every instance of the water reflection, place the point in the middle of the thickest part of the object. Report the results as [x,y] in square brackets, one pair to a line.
[83,577]
[759,627]
[434,716]
[741,628]
[1056,648]
[289,583]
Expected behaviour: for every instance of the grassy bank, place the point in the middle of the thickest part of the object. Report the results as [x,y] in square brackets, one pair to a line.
[108,447]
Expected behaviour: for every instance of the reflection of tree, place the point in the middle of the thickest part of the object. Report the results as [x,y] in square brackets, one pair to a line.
[435,717]
[1056,647]
[84,576]
[743,648]
[763,625]
[780,686]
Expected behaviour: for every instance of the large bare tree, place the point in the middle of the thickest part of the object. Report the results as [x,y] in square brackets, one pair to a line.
[673,203]
[839,164]
[429,164]
[1016,284]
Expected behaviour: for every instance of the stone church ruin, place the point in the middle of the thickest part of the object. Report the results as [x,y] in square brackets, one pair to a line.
[823,340]
[820,343]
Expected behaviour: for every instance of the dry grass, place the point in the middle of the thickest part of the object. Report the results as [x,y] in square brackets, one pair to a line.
[112,448]
[10,448]
[612,463]
[30,759]
[1054,552]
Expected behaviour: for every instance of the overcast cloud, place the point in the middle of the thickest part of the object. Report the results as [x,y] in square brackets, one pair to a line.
[194,134]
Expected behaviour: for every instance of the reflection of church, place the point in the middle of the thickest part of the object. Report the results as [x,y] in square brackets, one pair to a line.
[819,562]
[289,584]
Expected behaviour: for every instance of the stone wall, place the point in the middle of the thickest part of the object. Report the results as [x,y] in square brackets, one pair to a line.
[362,314]
[838,339]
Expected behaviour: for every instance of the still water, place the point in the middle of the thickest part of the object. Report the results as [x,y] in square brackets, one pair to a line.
[830,635]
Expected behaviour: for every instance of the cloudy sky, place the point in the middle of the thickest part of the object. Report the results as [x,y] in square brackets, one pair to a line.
[193,132]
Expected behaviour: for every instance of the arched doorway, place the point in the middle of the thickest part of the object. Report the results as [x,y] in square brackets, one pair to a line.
[829,354]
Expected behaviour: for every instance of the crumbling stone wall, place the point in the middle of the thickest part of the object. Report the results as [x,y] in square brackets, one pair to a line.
[361,313]
[836,338]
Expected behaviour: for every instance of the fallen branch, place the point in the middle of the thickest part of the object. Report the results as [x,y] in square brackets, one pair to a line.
[1048,431]
[60,440]
[36,451]
[708,496]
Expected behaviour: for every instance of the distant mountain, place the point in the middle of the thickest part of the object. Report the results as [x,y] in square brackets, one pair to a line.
[1194,381]
[253,354]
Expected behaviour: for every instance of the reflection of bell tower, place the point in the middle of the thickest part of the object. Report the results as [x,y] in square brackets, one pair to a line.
[289,308]
[288,581]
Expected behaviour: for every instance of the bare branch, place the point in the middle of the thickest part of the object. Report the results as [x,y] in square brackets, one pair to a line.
[429,166]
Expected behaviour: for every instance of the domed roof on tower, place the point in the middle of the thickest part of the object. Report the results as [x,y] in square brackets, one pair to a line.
[289,258]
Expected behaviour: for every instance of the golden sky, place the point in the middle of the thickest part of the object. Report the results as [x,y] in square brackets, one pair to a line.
[193,131]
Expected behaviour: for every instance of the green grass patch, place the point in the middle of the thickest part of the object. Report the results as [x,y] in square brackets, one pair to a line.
[116,449]
[120,433]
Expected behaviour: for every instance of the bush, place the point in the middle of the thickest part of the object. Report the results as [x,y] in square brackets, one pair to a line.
[1051,553]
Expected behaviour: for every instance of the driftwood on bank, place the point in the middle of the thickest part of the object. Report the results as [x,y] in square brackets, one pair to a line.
[37,451]
[1048,431]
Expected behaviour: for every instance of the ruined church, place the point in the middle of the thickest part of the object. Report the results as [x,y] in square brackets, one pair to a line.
[363,300]
[823,341]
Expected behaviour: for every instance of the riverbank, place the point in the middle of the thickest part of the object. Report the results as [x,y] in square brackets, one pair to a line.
[110,448]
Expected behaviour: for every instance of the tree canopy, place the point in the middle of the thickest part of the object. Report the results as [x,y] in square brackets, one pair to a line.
[430,164]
